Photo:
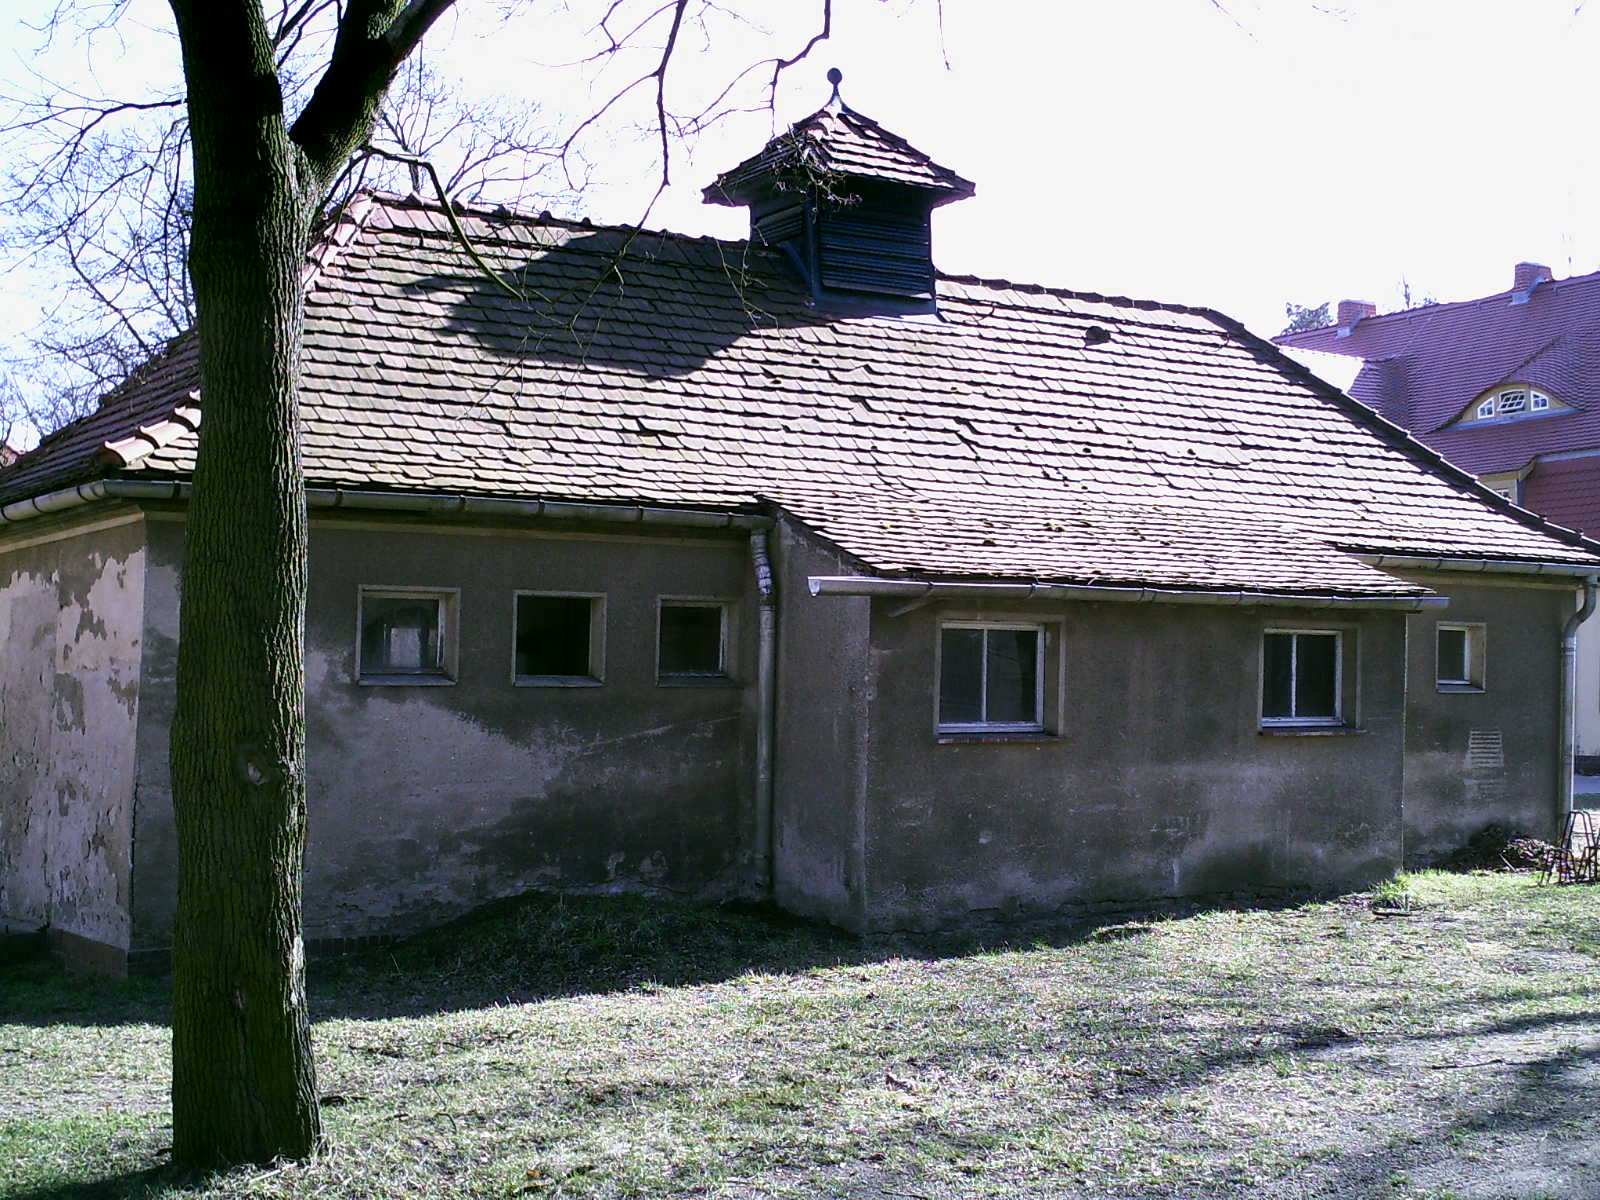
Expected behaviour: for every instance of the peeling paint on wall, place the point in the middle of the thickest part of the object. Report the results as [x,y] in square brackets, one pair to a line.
[71,616]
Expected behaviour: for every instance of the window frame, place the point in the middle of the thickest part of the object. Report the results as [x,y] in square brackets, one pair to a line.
[722,678]
[1477,657]
[449,600]
[596,676]
[1341,718]
[1041,663]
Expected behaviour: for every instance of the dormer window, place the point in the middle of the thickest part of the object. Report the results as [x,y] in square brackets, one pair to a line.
[1510,402]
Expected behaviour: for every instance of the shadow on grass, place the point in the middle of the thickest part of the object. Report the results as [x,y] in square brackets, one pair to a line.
[129,1185]
[541,946]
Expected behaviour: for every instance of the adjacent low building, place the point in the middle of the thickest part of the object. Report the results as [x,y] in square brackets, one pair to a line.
[788,567]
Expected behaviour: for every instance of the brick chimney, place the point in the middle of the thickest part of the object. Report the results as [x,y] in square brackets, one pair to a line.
[1524,278]
[1527,275]
[1351,311]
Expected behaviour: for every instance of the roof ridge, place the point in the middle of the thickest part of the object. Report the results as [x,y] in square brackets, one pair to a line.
[547,218]
[346,226]
[1504,294]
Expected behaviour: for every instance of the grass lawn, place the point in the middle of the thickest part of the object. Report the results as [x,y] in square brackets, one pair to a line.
[620,1047]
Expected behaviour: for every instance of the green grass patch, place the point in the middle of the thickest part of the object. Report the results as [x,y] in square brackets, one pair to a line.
[622,1047]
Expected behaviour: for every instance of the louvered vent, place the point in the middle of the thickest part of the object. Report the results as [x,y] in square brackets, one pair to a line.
[786,225]
[884,253]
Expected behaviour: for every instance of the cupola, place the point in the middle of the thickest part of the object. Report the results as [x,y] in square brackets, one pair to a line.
[849,203]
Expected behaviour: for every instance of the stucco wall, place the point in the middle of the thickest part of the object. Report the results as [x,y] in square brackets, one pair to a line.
[821,740]
[1160,781]
[71,607]
[428,800]
[1480,757]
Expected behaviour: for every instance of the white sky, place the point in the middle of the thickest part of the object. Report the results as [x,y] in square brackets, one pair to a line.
[1234,154]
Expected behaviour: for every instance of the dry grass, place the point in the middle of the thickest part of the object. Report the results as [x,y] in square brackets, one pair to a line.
[1443,1046]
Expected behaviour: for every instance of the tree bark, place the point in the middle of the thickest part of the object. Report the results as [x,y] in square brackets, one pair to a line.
[243,1080]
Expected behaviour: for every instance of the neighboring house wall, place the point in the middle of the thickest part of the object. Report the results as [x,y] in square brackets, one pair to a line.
[425,801]
[71,604]
[1161,781]
[1480,757]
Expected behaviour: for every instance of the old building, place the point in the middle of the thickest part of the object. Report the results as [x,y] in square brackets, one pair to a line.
[1506,387]
[788,566]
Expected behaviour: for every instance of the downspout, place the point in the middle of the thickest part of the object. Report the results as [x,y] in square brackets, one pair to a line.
[766,709]
[1569,702]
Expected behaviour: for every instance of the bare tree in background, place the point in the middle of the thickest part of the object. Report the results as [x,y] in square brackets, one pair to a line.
[276,109]
[105,198]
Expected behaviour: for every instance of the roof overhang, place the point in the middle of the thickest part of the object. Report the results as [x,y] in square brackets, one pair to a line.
[435,503]
[919,590]
[1482,566]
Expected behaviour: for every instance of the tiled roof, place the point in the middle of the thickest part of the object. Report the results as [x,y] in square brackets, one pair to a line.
[1425,365]
[149,400]
[840,140]
[1005,437]
[1566,491]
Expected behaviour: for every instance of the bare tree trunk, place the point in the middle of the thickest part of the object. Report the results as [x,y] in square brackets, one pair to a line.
[243,1081]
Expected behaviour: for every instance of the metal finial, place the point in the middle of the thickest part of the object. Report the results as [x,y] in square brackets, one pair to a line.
[835,77]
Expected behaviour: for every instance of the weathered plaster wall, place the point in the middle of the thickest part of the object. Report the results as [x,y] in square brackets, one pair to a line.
[821,744]
[426,801]
[71,602]
[1475,758]
[1159,783]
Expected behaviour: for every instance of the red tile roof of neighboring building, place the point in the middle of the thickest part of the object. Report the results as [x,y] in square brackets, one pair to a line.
[1566,491]
[1424,366]
[1019,433]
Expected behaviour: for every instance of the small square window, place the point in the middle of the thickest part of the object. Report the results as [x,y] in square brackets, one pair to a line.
[1538,401]
[692,642]
[559,639]
[1302,677]
[1513,402]
[1486,409]
[406,635]
[991,677]
[1459,657]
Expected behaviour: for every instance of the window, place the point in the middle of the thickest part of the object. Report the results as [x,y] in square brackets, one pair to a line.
[559,639]
[1518,401]
[406,635]
[991,677]
[1302,677]
[692,642]
[1459,657]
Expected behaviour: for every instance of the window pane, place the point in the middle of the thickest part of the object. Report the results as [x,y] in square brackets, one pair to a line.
[400,635]
[691,639]
[1316,675]
[960,676]
[1277,676]
[1013,663]
[553,635]
[1453,655]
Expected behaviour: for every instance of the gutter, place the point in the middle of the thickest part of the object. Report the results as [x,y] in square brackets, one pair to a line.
[766,710]
[1569,705]
[413,502]
[916,589]
[1503,566]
